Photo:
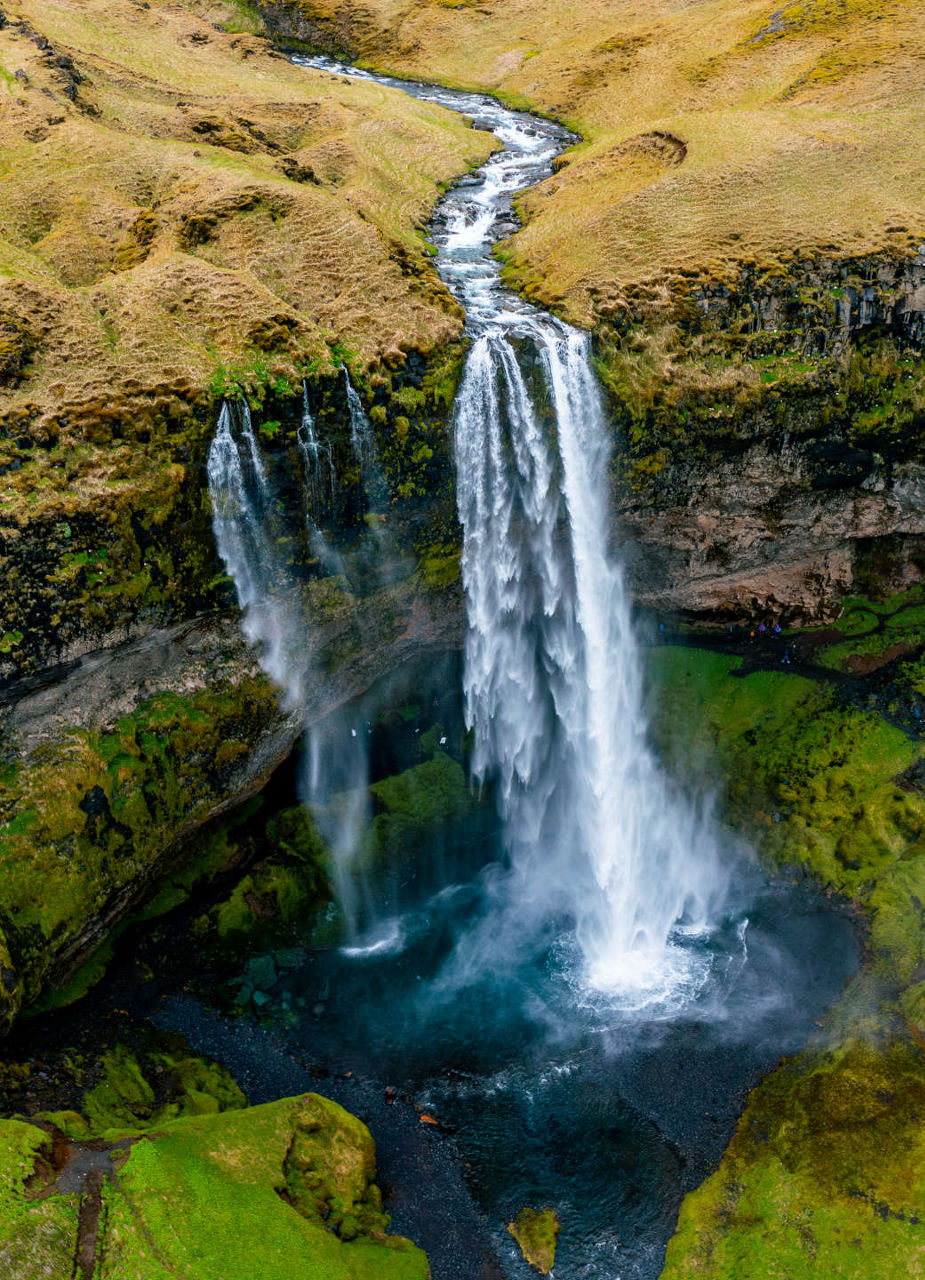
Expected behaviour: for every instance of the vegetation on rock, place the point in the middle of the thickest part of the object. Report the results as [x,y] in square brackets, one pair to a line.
[88,821]
[535,1231]
[825,1169]
[255,1192]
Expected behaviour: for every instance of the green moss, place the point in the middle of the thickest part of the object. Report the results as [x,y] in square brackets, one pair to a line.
[876,632]
[140,1091]
[695,389]
[181,1199]
[415,803]
[249,1194]
[93,814]
[536,1231]
[440,566]
[824,1174]
[122,1098]
[810,781]
[287,884]
[330,1169]
[913,1005]
[37,1237]
[255,378]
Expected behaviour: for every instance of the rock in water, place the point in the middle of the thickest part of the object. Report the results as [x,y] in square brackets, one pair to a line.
[536,1230]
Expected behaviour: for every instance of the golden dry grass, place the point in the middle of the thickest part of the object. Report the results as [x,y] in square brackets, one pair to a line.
[165,220]
[803,124]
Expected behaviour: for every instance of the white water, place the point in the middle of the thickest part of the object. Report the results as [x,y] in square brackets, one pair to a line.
[553,684]
[317,466]
[362,440]
[600,845]
[239,490]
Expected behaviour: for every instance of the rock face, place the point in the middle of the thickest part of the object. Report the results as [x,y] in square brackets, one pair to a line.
[772,452]
[110,765]
[758,535]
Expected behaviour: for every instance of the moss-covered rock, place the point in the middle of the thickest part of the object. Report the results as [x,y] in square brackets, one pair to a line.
[414,805]
[37,1236]
[89,820]
[252,1194]
[134,1094]
[825,1174]
[536,1232]
[816,783]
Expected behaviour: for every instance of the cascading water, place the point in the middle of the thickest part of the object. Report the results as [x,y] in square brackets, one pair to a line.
[552,680]
[365,451]
[597,837]
[317,465]
[247,433]
[239,489]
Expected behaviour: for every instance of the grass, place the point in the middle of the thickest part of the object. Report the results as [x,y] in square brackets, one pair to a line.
[181,1200]
[159,234]
[801,130]
[250,1194]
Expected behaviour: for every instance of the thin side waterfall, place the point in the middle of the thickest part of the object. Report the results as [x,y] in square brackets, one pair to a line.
[247,432]
[275,616]
[553,685]
[336,779]
[317,465]
[362,440]
[239,490]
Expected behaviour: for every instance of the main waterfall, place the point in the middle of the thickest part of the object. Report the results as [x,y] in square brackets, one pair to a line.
[553,683]
[602,851]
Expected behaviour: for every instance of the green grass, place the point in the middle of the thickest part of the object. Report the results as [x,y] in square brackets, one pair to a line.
[263,1193]
[37,1237]
[203,1199]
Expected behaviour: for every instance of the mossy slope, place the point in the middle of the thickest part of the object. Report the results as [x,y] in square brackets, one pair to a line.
[254,1194]
[85,824]
[826,1172]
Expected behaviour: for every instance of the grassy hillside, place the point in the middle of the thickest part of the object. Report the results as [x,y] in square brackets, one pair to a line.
[175,199]
[716,134]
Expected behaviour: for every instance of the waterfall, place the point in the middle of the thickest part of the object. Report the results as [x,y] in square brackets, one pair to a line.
[247,432]
[276,612]
[362,440]
[606,862]
[317,465]
[239,489]
[553,684]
